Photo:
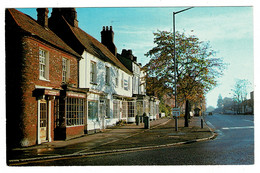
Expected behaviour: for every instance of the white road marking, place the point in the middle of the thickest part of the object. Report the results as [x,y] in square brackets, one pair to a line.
[231,128]
[249,120]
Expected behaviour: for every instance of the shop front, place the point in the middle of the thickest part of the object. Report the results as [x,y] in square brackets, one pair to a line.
[45,113]
[70,114]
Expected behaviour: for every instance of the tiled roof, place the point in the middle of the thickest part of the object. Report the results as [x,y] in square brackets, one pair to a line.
[96,48]
[30,25]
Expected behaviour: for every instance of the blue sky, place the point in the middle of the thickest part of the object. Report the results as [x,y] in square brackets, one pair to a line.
[228,29]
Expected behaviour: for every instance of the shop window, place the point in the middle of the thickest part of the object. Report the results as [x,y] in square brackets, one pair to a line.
[93,110]
[116,109]
[124,107]
[131,108]
[108,108]
[139,108]
[74,111]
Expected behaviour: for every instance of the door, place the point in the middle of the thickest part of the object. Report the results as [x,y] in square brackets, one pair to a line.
[43,120]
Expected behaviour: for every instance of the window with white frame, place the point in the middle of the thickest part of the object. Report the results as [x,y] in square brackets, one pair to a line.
[65,69]
[93,72]
[116,108]
[108,108]
[43,113]
[93,110]
[129,83]
[122,80]
[124,109]
[116,77]
[107,77]
[44,64]
[74,111]
[131,108]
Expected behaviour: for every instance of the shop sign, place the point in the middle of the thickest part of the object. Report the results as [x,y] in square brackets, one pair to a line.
[51,92]
[78,95]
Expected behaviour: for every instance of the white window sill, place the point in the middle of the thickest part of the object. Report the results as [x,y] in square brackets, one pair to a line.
[43,79]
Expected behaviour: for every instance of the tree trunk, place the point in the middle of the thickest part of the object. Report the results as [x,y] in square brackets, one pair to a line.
[186,117]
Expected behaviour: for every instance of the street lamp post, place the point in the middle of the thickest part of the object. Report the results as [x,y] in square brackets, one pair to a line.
[175,65]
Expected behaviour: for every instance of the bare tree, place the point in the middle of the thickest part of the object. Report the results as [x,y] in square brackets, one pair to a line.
[240,92]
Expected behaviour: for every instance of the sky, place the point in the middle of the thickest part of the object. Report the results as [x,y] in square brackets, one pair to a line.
[229,30]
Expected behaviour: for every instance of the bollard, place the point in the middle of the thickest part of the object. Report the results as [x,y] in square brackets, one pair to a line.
[137,120]
[144,115]
[146,122]
[201,122]
[176,123]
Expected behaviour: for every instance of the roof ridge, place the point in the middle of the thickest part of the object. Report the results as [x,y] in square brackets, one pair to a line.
[42,33]
[115,60]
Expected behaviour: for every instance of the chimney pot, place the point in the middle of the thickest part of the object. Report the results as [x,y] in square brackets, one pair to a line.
[107,39]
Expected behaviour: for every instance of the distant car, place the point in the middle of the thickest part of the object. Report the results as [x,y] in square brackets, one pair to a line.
[210,113]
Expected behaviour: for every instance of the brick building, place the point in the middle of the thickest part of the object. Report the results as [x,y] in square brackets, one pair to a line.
[42,99]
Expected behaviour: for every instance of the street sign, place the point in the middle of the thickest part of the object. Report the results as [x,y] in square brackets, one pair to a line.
[176,112]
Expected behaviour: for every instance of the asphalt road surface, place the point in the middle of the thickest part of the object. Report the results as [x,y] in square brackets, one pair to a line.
[234,145]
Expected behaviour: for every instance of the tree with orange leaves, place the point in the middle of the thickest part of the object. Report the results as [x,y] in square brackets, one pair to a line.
[197,66]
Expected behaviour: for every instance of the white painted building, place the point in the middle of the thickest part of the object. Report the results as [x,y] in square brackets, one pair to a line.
[144,103]
[110,88]
[115,92]
[107,82]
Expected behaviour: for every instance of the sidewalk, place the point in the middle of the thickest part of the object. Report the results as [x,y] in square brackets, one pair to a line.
[117,139]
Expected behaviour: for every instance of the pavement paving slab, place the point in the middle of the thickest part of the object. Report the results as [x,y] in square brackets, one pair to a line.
[125,137]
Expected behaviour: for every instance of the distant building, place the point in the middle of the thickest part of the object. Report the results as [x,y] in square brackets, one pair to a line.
[144,103]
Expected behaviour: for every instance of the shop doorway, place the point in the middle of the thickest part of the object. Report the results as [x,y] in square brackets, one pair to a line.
[43,120]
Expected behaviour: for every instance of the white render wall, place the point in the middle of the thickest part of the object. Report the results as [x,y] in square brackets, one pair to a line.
[84,76]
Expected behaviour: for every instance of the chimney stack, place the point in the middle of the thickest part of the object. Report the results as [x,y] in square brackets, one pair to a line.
[42,16]
[107,39]
[70,14]
[129,54]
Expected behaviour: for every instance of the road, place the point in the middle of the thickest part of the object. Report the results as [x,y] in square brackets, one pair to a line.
[234,145]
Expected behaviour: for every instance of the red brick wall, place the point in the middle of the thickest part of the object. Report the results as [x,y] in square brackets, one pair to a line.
[75,131]
[30,78]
